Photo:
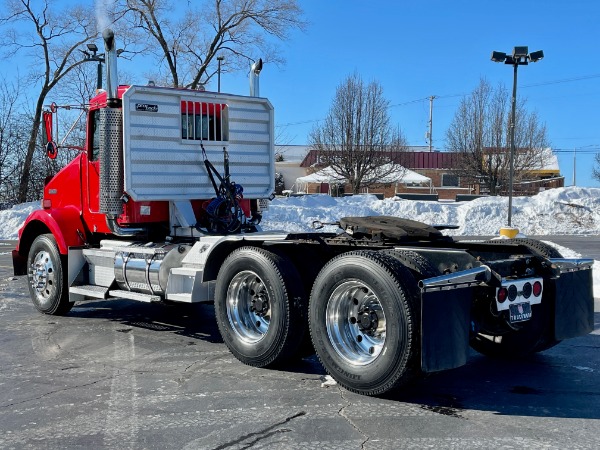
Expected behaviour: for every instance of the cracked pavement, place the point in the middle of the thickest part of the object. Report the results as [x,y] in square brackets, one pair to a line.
[131,375]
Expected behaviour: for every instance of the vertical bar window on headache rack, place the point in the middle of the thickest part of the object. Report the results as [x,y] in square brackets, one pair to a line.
[204,121]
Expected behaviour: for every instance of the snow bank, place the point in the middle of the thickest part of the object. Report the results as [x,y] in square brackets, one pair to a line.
[571,210]
[12,219]
[557,211]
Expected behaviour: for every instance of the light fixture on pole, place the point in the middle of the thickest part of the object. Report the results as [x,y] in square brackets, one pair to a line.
[220,60]
[95,57]
[520,57]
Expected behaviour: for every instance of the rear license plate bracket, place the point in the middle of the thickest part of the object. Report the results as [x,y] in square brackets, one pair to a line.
[519,312]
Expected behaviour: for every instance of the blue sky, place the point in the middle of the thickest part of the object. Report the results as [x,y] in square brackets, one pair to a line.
[416,49]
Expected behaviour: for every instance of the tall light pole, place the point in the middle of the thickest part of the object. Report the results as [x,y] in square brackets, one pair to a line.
[520,57]
[95,57]
[219,59]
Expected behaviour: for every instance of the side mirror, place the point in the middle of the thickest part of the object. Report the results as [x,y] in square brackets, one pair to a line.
[47,116]
[51,150]
[51,147]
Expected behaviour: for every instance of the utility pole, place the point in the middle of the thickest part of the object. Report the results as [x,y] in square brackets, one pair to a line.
[575,167]
[430,133]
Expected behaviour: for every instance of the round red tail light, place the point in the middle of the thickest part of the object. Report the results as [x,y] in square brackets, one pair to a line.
[502,294]
[537,289]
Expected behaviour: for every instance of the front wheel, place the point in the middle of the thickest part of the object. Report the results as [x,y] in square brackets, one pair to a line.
[47,279]
[260,307]
[363,316]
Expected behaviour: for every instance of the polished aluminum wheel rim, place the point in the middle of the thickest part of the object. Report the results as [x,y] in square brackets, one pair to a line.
[248,307]
[42,277]
[356,323]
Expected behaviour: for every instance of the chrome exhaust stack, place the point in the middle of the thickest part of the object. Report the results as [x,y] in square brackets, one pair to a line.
[110,57]
[111,145]
[255,69]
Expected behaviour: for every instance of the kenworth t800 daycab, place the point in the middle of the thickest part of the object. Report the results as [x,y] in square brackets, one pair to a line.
[163,204]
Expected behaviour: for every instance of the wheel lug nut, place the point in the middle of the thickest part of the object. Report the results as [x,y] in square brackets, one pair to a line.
[352,320]
[371,350]
[359,338]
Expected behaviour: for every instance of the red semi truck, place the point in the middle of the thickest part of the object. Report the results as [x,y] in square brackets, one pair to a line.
[163,204]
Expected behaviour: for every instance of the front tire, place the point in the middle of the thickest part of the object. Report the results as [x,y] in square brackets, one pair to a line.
[364,316]
[260,307]
[47,279]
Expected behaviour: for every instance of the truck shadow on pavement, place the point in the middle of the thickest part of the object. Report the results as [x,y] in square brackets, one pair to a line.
[562,382]
[195,321]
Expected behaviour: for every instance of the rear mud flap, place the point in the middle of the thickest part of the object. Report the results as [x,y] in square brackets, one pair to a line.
[574,302]
[445,326]
[446,317]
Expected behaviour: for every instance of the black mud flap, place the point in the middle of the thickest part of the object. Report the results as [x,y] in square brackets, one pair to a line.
[19,263]
[574,301]
[445,326]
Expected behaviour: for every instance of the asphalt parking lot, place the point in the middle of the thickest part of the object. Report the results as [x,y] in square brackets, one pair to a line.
[121,374]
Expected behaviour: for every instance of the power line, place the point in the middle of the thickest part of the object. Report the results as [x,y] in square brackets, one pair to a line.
[298,123]
[578,150]
[564,80]
[418,100]
[318,120]
[409,102]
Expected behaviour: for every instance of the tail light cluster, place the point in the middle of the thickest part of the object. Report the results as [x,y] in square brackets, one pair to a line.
[511,291]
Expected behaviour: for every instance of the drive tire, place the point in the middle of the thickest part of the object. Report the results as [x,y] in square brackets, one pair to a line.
[420,267]
[376,286]
[47,279]
[260,307]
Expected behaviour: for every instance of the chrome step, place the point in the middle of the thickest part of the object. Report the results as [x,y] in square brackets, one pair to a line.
[90,291]
[135,296]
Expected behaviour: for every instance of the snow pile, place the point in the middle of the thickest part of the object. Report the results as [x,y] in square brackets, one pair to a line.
[556,211]
[12,219]
[570,210]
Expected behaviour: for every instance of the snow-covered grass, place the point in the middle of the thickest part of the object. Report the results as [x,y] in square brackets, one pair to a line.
[570,210]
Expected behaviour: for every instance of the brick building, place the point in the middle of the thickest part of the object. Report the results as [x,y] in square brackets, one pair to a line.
[437,166]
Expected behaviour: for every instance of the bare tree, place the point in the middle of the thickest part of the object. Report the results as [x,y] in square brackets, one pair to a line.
[236,29]
[11,136]
[596,168]
[52,37]
[480,131]
[356,138]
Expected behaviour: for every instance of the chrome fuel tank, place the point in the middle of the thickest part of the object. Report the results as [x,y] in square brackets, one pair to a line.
[145,268]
